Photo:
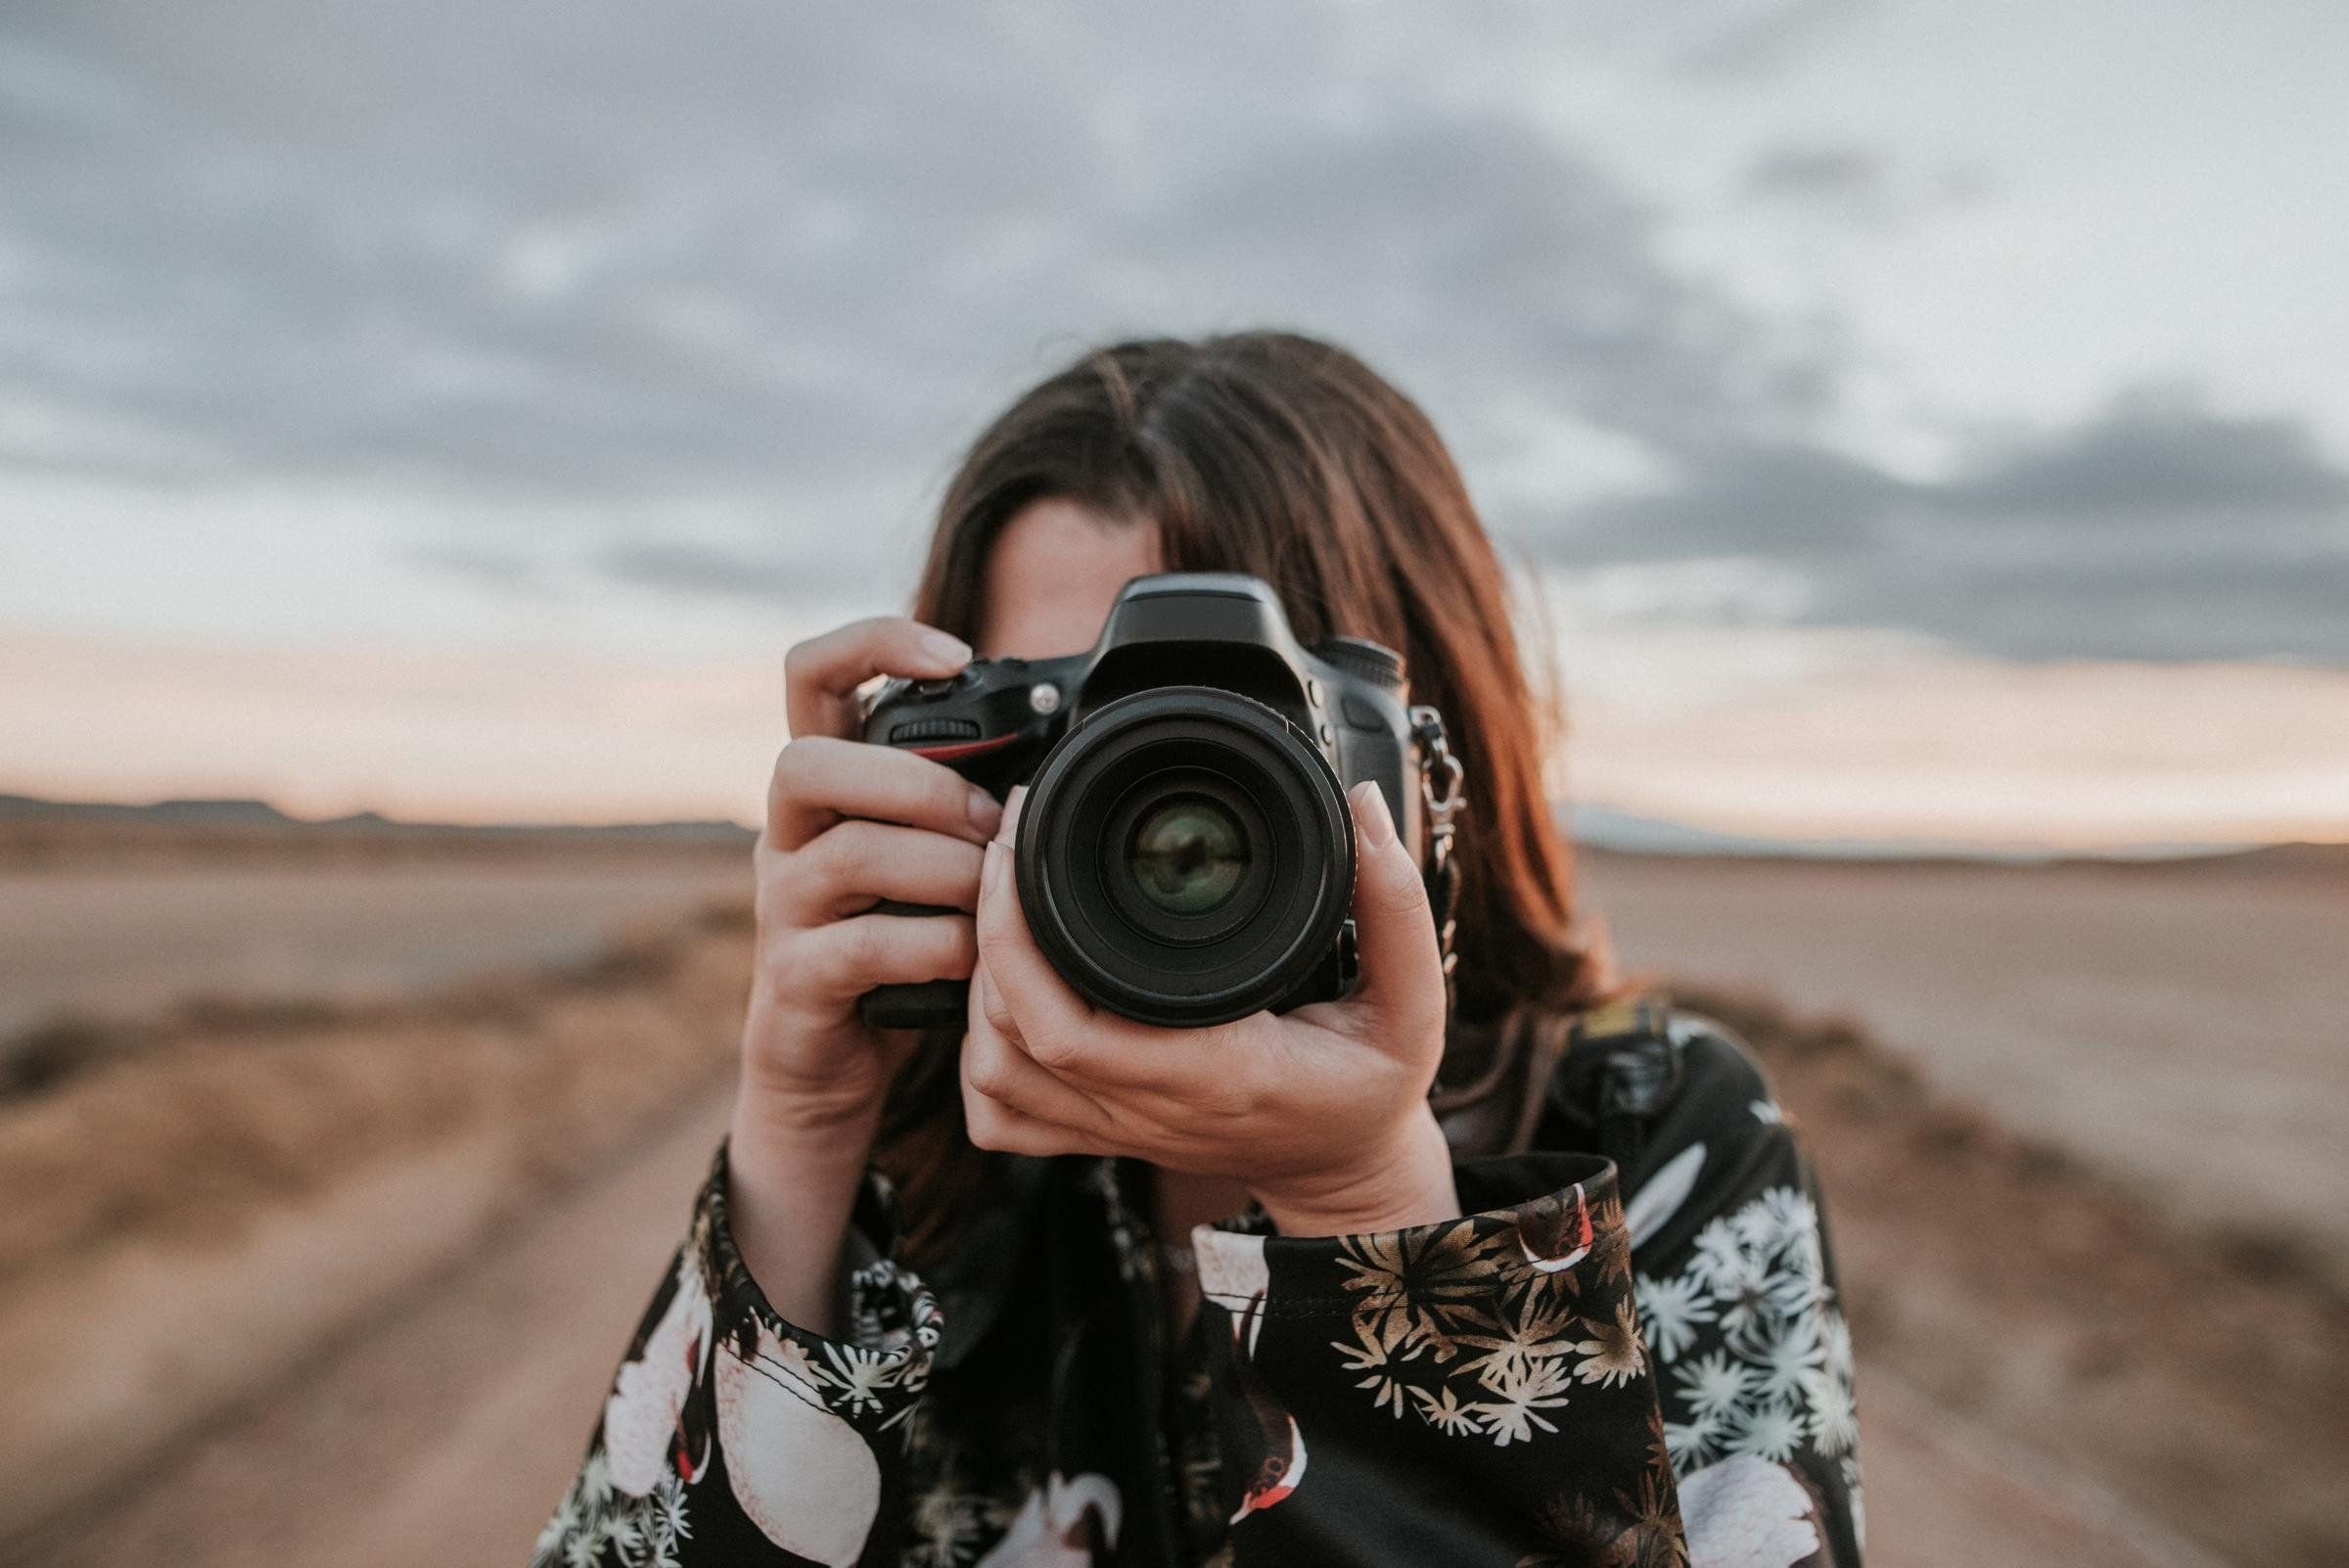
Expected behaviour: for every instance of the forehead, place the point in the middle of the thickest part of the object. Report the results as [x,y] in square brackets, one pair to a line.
[1054,571]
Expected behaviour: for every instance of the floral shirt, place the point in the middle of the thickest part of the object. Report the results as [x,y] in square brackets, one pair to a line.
[1590,1366]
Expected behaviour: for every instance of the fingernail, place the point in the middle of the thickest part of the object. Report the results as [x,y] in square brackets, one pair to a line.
[1371,818]
[986,813]
[1011,810]
[991,868]
[946,648]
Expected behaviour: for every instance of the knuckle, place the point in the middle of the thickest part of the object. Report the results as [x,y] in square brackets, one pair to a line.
[958,945]
[987,1074]
[863,948]
[791,764]
[998,1014]
[1055,1050]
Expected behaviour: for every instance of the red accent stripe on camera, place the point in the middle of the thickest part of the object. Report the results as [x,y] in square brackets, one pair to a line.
[955,750]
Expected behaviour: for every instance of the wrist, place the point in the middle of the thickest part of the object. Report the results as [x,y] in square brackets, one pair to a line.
[805,1136]
[1406,1182]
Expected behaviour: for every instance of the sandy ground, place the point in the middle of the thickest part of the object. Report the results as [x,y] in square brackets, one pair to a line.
[128,940]
[2183,1026]
[479,1389]
[2056,1366]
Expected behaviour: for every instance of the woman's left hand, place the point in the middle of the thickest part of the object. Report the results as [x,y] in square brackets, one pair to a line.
[1320,1112]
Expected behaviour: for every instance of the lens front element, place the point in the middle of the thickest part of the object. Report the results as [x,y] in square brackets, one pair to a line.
[1188,856]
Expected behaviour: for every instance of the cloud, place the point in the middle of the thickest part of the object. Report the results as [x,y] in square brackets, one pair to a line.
[2159,451]
[507,571]
[2157,531]
[752,253]
[705,307]
[1837,172]
[698,571]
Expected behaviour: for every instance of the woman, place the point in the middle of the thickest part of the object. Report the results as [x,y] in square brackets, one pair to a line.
[1513,1271]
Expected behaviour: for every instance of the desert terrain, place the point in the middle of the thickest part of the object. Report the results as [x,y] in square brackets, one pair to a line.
[336,1181]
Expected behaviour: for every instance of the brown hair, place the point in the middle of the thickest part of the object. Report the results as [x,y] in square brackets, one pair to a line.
[1286,458]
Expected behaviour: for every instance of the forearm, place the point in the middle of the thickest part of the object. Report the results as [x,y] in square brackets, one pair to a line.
[792,1182]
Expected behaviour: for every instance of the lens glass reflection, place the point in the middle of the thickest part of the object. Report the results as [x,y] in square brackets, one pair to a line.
[1188,856]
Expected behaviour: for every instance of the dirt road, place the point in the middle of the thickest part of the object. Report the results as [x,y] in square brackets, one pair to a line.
[441,1430]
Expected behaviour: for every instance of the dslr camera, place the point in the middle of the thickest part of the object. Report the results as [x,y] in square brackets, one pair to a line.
[1184,856]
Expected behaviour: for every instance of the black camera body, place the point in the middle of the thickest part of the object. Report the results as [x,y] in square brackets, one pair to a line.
[1185,855]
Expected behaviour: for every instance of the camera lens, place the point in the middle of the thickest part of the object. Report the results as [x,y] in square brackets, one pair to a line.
[1188,856]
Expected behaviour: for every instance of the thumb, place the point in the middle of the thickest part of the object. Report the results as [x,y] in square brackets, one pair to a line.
[1395,931]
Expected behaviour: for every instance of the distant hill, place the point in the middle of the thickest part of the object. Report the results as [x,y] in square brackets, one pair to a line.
[1596,827]
[246,815]
[1605,828]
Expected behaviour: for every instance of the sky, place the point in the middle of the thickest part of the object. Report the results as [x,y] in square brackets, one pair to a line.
[1905,419]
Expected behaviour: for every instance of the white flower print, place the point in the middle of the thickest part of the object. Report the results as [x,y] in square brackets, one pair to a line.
[1720,1254]
[1715,1386]
[1827,1389]
[593,1521]
[1693,1443]
[1785,1363]
[1671,1311]
[1769,1430]
[862,1376]
[666,1511]
[1762,1371]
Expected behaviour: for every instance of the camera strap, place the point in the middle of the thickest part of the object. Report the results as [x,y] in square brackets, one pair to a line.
[1442,796]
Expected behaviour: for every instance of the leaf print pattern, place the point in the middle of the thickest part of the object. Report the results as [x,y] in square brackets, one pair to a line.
[1478,1329]
[1506,1383]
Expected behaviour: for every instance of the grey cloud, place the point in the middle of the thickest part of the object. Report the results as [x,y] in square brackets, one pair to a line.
[699,572]
[2159,451]
[1808,171]
[552,248]
[503,570]
[1790,501]
[716,296]
[2158,531]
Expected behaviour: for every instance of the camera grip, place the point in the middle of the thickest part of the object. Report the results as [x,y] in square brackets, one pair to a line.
[923,1005]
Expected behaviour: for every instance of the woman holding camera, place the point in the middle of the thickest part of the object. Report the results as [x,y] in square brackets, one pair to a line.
[1506,1267]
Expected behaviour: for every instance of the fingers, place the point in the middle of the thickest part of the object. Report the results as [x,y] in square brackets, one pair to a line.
[1059,1030]
[851,865]
[849,957]
[820,779]
[994,1067]
[1394,929]
[821,675]
[1051,1018]
[993,1124]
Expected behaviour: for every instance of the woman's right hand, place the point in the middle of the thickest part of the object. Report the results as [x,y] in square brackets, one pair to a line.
[848,825]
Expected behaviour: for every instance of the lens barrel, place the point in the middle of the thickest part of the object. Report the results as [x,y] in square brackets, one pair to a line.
[1186,856]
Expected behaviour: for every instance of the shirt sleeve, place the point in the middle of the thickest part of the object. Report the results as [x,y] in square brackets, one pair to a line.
[1743,1319]
[1471,1392]
[732,1435]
